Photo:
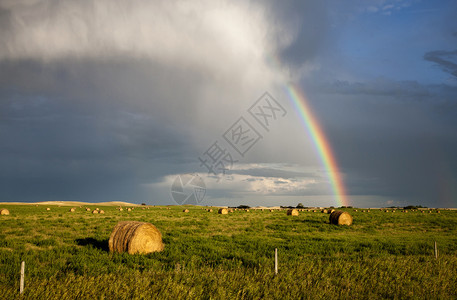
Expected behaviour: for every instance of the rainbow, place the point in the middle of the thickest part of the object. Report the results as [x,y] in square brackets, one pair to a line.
[320,142]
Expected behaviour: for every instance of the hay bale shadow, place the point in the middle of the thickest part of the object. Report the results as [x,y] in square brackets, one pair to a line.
[97,244]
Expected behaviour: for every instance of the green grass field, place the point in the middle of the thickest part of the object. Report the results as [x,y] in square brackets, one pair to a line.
[211,256]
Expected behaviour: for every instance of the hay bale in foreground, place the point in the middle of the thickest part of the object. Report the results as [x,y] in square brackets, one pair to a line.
[185,210]
[87,209]
[340,217]
[95,211]
[4,211]
[72,209]
[47,208]
[325,211]
[292,212]
[101,211]
[222,211]
[135,237]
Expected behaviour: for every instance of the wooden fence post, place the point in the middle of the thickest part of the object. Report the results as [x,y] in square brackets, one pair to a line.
[21,284]
[276,261]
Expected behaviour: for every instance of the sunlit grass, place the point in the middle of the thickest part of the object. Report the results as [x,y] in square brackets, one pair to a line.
[382,255]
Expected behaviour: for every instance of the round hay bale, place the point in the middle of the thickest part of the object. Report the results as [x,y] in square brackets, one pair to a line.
[210,210]
[135,237]
[4,212]
[101,211]
[340,217]
[121,209]
[324,211]
[47,208]
[129,209]
[222,211]
[72,209]
[247,210]
[95,211]
[271,210]
[292,212]
[330,211]
[87,209]
[185,210]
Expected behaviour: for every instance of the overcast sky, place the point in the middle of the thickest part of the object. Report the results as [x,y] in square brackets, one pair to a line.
[113,100]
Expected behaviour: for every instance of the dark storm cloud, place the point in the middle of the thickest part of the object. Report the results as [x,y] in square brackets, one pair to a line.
[50,150]
[91,130]
[392,139]
[99,98]
[308,22]
[446,60]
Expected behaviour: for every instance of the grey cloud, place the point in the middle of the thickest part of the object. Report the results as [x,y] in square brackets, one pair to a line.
[275,173]
[446,60]
[280,182]
[392,138]
[309,21]
[437,95]
[379,87]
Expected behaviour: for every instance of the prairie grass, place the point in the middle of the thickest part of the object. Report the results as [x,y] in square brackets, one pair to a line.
[212,256]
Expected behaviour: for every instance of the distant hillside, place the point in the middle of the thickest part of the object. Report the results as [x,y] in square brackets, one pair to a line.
[73,203]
